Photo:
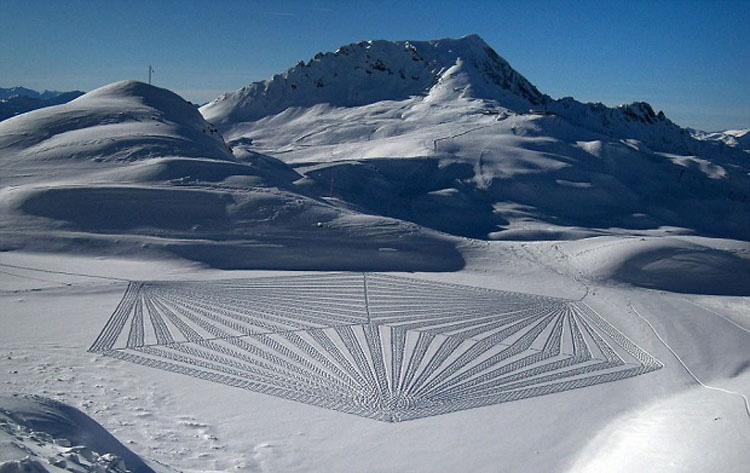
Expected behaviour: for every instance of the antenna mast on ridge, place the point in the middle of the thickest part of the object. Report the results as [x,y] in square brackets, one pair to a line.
[150,71]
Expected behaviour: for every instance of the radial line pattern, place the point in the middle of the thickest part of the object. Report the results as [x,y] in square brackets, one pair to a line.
[385,347]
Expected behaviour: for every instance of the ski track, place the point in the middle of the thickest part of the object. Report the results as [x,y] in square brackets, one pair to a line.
[689,371]
[727,319]
[66,273]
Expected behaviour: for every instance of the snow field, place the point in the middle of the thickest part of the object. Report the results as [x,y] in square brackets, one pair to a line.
[379,346]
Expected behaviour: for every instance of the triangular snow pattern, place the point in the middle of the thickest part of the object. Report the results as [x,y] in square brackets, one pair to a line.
[379,346]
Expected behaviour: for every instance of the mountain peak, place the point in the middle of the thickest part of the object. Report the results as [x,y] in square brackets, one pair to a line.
[371,71]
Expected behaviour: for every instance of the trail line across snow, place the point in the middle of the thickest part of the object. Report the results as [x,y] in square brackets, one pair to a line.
[67,273]
[718,314]
[465,132]
[690,372]
[30,278]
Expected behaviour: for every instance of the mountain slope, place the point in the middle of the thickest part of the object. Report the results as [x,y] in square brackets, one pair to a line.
[372,71]
[436,71]
[131,168]
[461,151]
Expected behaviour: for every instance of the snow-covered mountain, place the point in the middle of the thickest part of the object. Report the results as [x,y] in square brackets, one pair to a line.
[17,100]
[489,154]
[18,91]
[372,71]
[149,273]
[735,138]
[130,164]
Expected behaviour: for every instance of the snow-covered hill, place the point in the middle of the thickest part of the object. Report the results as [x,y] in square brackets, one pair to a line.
[148,274]
[122,121]
[130,165]
[489,155]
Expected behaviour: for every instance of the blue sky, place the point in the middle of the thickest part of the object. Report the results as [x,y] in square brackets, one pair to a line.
[688,58]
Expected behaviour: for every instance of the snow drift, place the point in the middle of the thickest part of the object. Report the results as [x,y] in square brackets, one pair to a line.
[38,434]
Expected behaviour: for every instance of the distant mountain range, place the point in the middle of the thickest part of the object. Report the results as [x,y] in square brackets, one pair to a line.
[734,138]
[16,100]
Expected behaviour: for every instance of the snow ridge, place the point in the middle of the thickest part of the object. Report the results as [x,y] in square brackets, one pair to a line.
[372,71]
[41,435]
[440,72]
[734,138]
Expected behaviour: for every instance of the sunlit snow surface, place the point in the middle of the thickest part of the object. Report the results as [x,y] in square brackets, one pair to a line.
[380,346]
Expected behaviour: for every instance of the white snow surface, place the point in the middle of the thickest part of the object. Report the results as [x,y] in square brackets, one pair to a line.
[131,166]
[40,435]
[443,191]
[498,158]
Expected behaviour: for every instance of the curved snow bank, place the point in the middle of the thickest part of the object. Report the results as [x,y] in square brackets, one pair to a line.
[692,271]
[681,265]
[698,430]
[255,229]
[42,435]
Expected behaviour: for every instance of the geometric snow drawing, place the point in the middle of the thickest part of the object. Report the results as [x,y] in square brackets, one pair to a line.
[379,346]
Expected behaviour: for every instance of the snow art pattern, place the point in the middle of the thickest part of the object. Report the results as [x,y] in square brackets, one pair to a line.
[379,346]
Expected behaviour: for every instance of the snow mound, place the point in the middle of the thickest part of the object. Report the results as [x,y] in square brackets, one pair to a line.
[666,264]
[693,271]
[42,435]
[123,121]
